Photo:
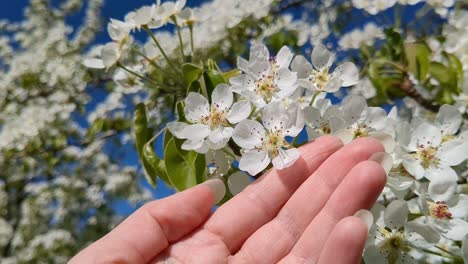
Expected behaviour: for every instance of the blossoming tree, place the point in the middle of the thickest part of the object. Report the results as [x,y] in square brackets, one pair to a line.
[230,89]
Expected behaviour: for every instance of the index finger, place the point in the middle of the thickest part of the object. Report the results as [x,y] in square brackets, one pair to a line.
[236,220]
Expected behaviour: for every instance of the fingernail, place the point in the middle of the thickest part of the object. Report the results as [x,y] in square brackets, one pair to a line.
[383,159]
[366,217]
[218,188]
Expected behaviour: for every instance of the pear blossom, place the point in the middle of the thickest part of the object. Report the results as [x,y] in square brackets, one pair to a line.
[395,240]
[210,126]
[427,156]
[445,210]
[363,121]
[265,142]
[324,119]
[265,79]
[318,77]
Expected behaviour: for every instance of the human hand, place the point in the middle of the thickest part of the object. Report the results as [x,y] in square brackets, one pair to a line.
[302,214]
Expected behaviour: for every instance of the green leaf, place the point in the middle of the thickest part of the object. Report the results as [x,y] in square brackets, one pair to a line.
[440,72]
[180,111]
[141,137]
[154,165]
[212,79]
[456,68]
[418,56]
[232,73]
[184,168]
[191,73]
[95,128]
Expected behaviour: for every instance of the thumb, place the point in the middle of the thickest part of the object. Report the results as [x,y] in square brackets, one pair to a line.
[149,230]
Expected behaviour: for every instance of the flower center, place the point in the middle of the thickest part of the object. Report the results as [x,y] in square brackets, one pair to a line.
[393,244]
[427,156]
[216,118]
[439,210]
[272,142]
[266,87]
[362,130]
[320,78]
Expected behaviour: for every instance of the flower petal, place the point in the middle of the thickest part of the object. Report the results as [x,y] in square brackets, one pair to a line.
[301,66]
[441,189]
[348,73]
[239,111]
[254,161]
[284,57]
[427,135]
[413,166]
[285,158]
[396,214]
[222,97]
[450,119]
[196,107]
[321,57]
[220,134]
[248,134]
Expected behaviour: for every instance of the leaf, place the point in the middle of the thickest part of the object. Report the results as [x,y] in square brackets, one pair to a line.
[180,111]
[440,72]
[154,165]
[417,56]
[212,79]
[184,168]
[95,128]
[456,68]
[232,73]
[141,137]
[191,73]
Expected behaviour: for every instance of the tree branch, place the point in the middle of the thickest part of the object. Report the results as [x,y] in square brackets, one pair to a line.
[408,87]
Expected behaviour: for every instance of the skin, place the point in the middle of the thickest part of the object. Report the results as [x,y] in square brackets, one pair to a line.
[302,214]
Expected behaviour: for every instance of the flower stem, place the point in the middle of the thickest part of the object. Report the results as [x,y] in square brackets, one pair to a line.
[147,58]
[180,38]
[153,37]
[191,39]
[438,254]
[136,74]
[314,97]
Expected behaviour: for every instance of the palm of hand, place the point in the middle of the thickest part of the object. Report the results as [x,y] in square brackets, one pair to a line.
[297,215]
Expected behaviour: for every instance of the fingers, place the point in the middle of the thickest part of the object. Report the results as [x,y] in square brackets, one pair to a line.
[359,190]
[346,242]
[151,228]
[275,239]
[259,203]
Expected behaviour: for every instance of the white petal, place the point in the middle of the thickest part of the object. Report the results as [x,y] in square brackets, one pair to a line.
[220,134]
[446,173]
[254,161]
[333,85]
[275,116]
[239,111]
[426,134]
[177,129]
[93,63]
[295,122]
[348,73]
[346,135]
[422,235]
[441,189]
[453,152]
[197,145]
[321,57]
[353,106]
[196,107]
[284,57]
[110,54]
[387,141]
[450,119]
[144,15]
[458,206]
[396,214]
[285,158]
[413,166]
[248,134]
[301,66]
[376,117]
[238,181]
[458,229]
[222,97]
